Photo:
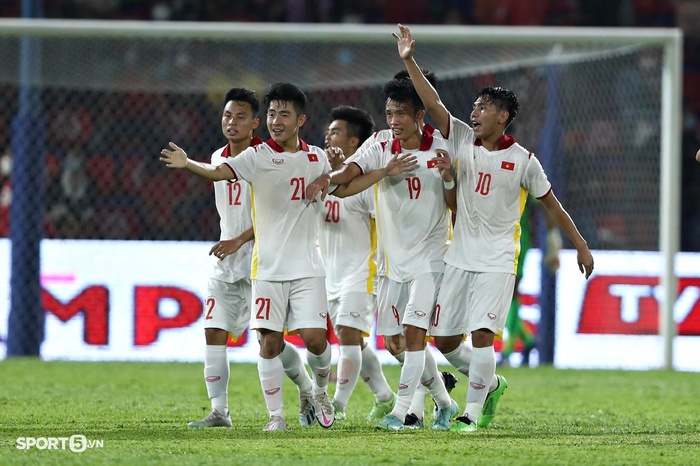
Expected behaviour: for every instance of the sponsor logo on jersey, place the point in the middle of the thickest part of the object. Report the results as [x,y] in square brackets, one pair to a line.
[355,314]
[505,165]
[278,161]
[420,313]
[312,157]
[322,315]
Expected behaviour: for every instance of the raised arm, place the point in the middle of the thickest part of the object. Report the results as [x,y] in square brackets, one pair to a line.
[562,218]
[425,90]
[177,158]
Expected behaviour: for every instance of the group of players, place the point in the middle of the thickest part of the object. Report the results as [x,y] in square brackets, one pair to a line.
[304,206]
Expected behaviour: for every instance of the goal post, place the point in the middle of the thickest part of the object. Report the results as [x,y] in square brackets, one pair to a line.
[617,107]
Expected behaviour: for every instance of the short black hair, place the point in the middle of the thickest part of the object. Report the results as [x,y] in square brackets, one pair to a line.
[503,99]
[286,92]
[402,90]
[240,94]
[429,75]
[360,123]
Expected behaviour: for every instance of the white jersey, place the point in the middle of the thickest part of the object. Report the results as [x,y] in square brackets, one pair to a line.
[412,217]
[349,243]
[492,188]
[285,223]
[233,205]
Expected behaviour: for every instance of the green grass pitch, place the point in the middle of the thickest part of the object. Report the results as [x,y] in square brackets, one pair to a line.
[140,410]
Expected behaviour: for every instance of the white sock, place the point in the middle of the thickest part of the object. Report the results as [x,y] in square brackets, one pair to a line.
[349,364]
[418,401]
[482,371]
[461,357]
[295,369]
[432,379]
[271,375]
[414,363]
[217,372]
[320,368]
[371,372]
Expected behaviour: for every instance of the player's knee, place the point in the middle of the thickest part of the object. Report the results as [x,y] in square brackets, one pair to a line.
[447,344]
[349,335]
[482,338]
[394,344]
[215,336]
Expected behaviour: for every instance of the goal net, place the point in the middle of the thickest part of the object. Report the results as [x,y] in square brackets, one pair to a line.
[110,95]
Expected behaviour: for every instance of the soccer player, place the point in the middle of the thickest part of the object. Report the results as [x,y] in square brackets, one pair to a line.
[493,176]
[288,289]
[414,418]
[413,227]
[349,248]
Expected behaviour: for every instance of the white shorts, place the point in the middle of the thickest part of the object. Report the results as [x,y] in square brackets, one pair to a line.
[409,303]
[228,306]
[470,301]
[354,309]
[289,305]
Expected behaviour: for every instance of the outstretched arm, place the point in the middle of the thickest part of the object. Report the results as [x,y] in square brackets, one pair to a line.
[425,90]
[400,163]
[177,158]
[561,218]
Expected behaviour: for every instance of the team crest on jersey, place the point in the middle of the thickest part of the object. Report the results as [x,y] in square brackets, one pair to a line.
[278,161]
[312,157]
[505,165]
[432,163]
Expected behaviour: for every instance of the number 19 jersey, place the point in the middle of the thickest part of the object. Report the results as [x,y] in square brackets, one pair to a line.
[412,217]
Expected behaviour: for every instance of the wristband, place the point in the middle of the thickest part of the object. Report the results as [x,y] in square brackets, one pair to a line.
[449,184]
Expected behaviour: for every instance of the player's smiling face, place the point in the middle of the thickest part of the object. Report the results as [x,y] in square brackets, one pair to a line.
[283,123]
[402,119]
[487,119]
[238,121]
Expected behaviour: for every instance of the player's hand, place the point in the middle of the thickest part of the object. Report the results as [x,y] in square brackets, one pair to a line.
[319,185]
[225,248]
[401,163]
[405,42]
[585,261]
[175,158]
[553,245]
[335,157]
[443,163]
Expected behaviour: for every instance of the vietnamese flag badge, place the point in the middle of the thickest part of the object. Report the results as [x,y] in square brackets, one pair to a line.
[312,157]
[507,165]
[432,163]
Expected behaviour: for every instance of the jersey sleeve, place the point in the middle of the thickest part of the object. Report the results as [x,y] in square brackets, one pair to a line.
[368,159]
[458,134]
[535,179]
[243,165]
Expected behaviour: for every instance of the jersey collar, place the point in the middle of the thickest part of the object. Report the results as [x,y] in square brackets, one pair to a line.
[271,142]
[254,142]
[504,142]
[425,144]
